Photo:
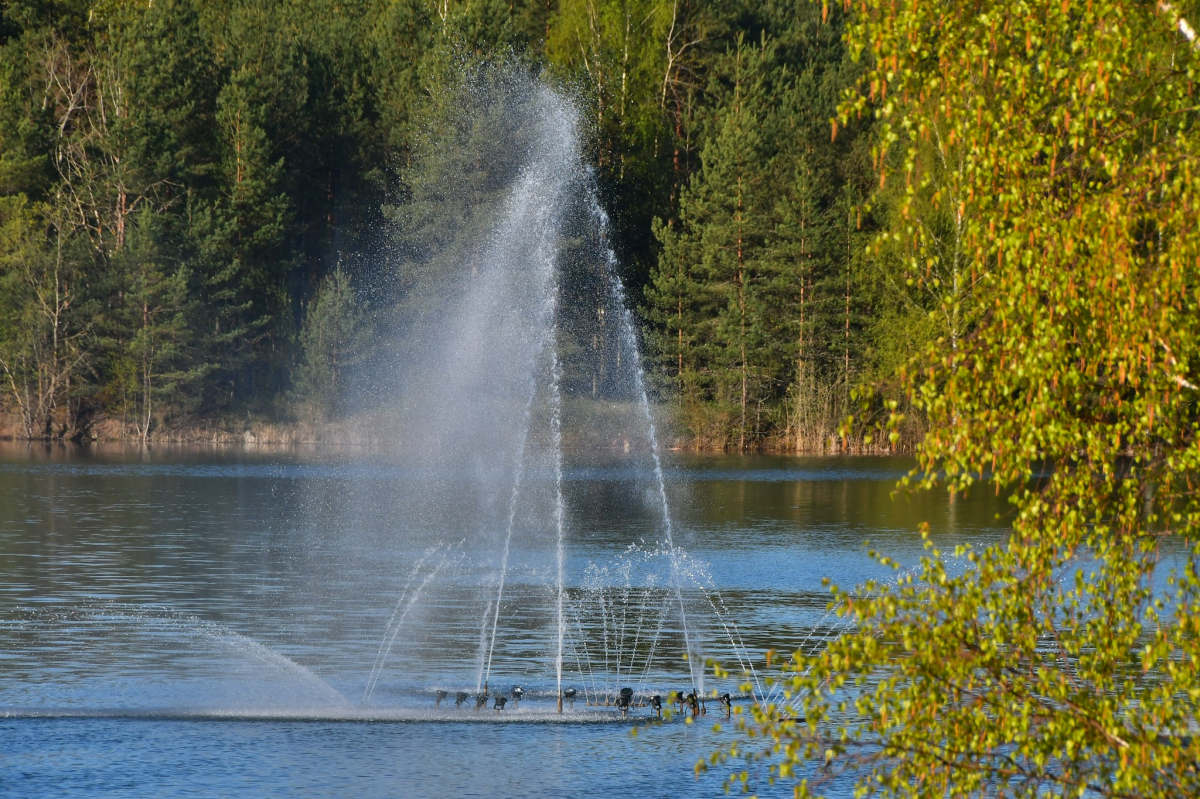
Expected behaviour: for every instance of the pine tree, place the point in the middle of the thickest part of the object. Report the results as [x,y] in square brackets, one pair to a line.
[800,314]
[717,258]
[159,348]
[333,340]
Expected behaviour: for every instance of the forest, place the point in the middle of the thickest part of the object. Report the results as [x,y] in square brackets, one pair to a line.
[200,203]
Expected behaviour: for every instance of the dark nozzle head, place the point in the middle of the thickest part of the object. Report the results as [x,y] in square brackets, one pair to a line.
[460,697]
[569,693]
[501,702]
[518,693]
[656,702]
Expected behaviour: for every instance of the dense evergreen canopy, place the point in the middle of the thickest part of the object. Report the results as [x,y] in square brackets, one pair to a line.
[178,180]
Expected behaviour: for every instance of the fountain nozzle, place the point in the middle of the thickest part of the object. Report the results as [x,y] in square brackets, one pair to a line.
[625,700]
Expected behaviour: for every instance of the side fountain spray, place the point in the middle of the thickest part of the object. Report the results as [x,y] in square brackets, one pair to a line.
[396,622]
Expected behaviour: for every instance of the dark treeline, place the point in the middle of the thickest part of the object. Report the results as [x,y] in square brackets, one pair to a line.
[199,202]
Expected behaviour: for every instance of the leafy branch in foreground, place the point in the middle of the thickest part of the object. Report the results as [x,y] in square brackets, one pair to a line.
[1065,660]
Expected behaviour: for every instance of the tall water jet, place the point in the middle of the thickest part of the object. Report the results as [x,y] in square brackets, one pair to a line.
[559,520]
[510,362]
[475,323]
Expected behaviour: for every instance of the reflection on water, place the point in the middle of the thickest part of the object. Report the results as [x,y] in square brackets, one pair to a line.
[187,583]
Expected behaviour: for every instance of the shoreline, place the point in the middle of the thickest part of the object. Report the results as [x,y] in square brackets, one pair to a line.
[365,434]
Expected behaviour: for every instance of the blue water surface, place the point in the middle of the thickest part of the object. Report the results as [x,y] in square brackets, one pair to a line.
[205,623]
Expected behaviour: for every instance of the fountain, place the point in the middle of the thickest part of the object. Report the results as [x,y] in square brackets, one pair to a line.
[518,370]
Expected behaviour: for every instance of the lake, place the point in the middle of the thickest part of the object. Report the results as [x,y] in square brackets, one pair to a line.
[191,621]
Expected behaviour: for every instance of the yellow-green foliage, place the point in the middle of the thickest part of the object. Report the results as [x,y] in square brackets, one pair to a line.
[1063,661]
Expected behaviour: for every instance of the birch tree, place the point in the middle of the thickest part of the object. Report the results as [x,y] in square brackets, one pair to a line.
[1064,660]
